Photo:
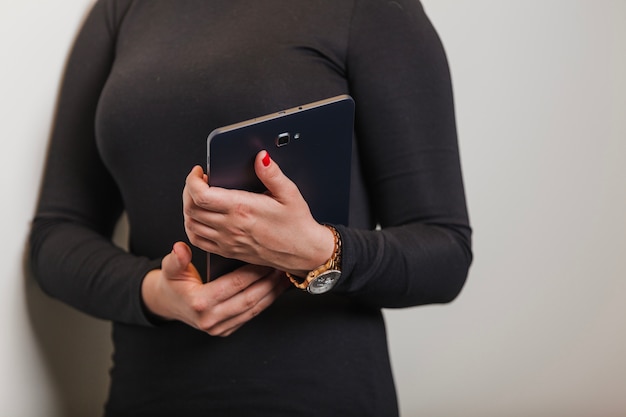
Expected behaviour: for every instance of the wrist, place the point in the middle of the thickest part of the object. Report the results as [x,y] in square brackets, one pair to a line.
[321,249]
[150,298]
[323,278]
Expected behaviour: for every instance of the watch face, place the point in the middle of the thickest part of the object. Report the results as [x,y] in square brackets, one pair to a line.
[324,282]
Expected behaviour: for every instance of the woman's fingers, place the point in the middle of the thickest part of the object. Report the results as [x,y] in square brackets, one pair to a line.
[213,216]
[218,307]
[278,185]
[275,228]
[245,305]
[175,265]
[198,194]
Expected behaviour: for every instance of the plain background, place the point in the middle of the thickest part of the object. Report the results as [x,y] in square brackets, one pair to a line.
[540,328]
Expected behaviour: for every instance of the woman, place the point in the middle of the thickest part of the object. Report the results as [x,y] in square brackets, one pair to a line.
[146,81]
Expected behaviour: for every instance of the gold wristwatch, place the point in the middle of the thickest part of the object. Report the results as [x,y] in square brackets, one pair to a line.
[324,277]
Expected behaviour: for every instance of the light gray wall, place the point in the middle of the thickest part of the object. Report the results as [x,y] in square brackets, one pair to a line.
[53,360]
[540,328]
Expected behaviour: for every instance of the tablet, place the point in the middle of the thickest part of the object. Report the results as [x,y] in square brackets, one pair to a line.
[311,143]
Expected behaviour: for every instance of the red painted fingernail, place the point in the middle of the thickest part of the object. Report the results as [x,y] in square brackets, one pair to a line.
[266,159]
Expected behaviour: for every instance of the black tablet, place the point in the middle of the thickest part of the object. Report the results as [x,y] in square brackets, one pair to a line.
[312,144]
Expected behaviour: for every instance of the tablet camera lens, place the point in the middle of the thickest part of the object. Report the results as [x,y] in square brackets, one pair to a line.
[283,139]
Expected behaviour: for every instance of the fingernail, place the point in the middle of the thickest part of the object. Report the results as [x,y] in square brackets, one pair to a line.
[266,159]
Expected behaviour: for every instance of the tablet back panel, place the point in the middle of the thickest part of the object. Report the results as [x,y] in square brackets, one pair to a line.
[311,143]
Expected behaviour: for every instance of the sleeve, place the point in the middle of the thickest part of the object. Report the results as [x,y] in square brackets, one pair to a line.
[406,133]
[71,253]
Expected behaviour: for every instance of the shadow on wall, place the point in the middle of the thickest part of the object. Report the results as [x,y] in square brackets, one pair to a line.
[75,349]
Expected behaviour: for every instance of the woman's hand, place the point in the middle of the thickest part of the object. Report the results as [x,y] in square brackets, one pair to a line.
[275,229]
[219,307]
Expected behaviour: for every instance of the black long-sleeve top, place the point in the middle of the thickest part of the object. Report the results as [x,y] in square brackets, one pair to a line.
[146,81]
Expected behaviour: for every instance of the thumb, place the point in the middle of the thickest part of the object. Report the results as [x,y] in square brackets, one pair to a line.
[177,263]
[270,174]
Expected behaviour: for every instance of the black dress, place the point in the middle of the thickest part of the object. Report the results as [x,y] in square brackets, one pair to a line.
[146,82]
